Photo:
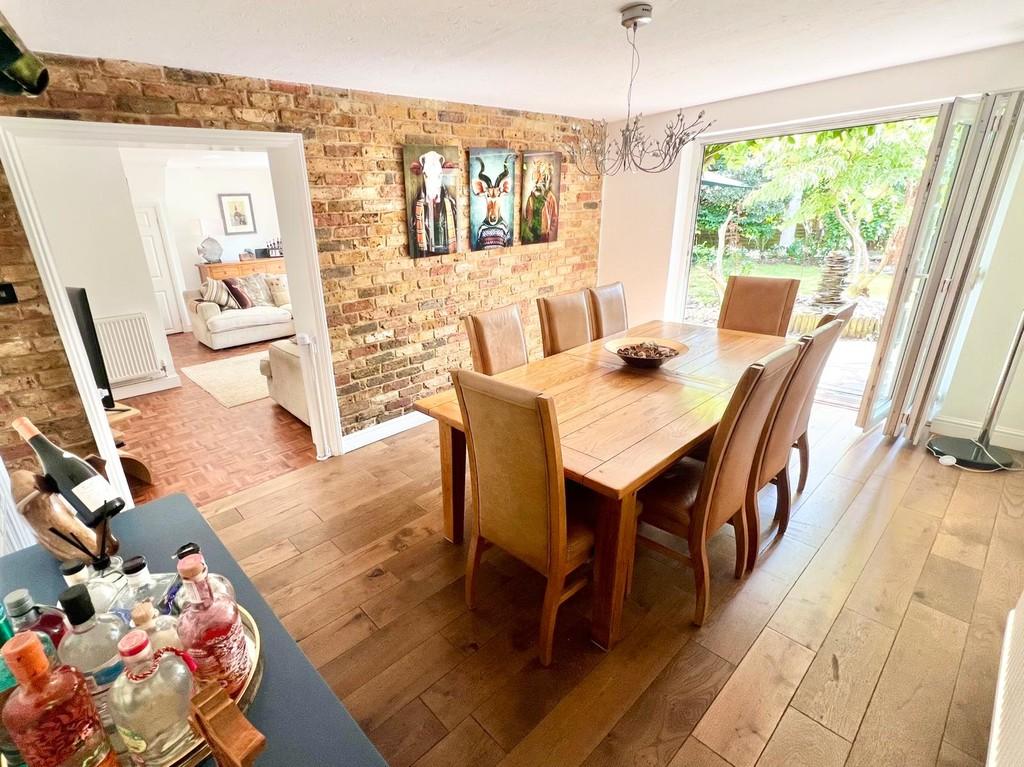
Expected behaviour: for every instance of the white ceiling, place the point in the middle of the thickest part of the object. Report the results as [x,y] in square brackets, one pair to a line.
[562,56]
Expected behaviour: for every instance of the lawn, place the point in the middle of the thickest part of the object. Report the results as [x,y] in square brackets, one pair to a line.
[702,289]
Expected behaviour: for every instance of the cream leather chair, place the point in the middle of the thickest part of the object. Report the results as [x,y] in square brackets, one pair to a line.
[564,322]
[785,429]
[608,309]
[496,340]
[694,499]
[518,481]
[758,304]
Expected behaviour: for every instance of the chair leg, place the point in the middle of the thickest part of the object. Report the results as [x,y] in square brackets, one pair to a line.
[701,581]
[552,601]
[739,523]
[476,550]
[784,505]
[752,513]
[805,460]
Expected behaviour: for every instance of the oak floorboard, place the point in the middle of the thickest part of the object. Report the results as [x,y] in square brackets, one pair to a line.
[743,716]
[467,744]
[696,754]
[408,735]
[328,642]
[802,742]
[951,756]
[838,685]
[904,722]
[949,587]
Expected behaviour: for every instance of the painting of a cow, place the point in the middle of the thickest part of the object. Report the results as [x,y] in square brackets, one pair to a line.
[431,196]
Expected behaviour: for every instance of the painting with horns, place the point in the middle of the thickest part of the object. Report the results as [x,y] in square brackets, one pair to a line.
[492,199]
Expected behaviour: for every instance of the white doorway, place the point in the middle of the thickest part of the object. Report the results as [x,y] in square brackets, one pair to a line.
[287,164]
[161,268]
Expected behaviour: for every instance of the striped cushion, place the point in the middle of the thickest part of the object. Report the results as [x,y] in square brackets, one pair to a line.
[217,292]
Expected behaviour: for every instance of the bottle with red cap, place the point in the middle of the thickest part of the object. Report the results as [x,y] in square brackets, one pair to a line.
[210,629]
[150,702]
[51,716]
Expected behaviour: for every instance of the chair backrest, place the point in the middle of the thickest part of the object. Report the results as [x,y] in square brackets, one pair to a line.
[758,304]
[515,458]
[805,411]
[738,445]
[796,393]
[608,309]
[843,313]
[564,321]
[497,340]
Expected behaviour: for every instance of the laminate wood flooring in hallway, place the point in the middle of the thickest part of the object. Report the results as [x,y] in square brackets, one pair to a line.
[195,445]
[869,635]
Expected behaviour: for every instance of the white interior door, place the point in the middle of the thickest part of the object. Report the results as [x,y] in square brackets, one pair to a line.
[158,259]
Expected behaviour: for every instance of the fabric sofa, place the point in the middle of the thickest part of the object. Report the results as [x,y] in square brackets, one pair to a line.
[220,328]
[283,370]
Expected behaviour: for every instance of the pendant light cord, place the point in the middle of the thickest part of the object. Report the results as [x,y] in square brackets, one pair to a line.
[633,71]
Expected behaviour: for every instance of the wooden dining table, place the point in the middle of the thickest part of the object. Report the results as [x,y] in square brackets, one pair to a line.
[620,428]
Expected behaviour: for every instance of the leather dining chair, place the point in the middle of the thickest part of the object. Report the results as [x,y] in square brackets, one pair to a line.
[694,499]
[758,304]
[783,431]
[518,483]
[497,341]
[802,444]
[608,309]
[564,321]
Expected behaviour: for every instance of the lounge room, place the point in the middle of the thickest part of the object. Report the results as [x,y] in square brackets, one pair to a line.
[558,384]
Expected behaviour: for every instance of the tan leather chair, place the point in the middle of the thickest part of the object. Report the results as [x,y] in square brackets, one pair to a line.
[564,322]
[694,499]
[496,340]
[519,501]
[785,429]
[758,304]
[802,444]
[608,309]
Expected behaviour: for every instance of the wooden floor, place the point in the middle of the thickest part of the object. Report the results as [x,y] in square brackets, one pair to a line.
[195,445]
[869,636]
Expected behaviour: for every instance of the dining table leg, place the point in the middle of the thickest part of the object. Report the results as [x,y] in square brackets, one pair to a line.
[613,556]
[453,480]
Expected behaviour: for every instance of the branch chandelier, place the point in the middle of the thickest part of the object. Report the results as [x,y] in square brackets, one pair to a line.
[595,155]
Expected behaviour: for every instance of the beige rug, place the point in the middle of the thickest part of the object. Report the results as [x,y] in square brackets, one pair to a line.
[233,381]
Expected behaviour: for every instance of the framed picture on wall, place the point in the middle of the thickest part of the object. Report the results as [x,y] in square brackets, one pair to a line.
[542,173]
[236,212]
[432,176]
[492,199]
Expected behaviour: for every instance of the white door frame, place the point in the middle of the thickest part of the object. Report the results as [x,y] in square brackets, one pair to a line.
[170,262]
[295,214]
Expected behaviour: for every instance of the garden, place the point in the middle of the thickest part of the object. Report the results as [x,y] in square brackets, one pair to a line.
[829,208]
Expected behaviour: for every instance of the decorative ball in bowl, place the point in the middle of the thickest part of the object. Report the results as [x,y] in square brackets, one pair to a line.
[645,352]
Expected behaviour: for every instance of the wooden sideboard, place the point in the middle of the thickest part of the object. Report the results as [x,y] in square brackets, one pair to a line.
[240,268]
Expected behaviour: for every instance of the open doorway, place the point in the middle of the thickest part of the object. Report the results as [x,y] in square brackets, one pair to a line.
[830,208]
[212,334]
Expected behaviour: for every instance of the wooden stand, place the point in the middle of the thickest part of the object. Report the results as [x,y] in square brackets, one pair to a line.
[231,737]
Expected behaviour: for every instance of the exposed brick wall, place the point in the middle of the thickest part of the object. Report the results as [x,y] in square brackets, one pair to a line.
[394,321]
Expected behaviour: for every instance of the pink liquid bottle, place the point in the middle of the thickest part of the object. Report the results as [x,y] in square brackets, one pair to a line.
[25,614]
[210,629]
[51,715]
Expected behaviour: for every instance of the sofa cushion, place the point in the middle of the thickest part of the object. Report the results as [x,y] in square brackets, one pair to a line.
[278,286]
[232,319]
[238,292]
[215,291]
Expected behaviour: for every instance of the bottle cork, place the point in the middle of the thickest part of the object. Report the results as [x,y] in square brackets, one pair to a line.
[25,428]
[25,657]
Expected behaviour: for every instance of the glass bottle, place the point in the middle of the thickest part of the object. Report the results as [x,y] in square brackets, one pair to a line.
[150,702]
[8,684]
[51,715]
[102,592]
[108,569]
[143,585]
[161,629]
[24,613]
[211,631]
[218,583]
[91,647]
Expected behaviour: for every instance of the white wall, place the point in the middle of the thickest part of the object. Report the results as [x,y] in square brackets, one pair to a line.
[89,220]
[645,220]
[193,211]
[990,331]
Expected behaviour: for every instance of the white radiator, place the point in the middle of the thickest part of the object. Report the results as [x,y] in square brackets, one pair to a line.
[127,347]
[1006,739]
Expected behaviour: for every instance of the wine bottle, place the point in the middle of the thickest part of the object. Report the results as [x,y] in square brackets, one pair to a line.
[85,489]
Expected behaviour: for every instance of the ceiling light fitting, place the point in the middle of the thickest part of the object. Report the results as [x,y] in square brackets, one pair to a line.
[595,155]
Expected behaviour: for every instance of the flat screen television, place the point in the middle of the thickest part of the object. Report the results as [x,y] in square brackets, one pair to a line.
[83,317]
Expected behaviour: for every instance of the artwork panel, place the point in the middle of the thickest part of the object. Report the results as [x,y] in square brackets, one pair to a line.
[542,172]
[432,175]
[236,213]
[492,198]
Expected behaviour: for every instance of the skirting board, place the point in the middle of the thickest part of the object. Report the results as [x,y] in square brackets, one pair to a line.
[380,431]
[1012,439]
[146,387]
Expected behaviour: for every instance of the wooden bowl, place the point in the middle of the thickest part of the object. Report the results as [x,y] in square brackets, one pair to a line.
[645,362]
